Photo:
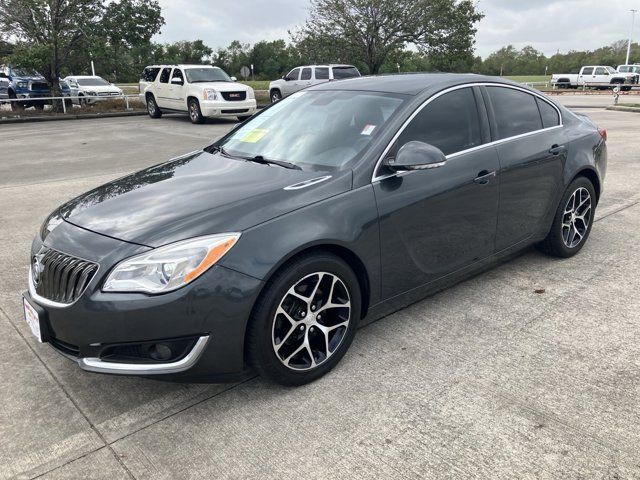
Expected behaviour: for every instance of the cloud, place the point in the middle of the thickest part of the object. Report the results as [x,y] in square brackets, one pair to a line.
[548,25]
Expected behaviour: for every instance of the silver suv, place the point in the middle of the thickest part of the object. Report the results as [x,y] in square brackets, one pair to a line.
[302,77]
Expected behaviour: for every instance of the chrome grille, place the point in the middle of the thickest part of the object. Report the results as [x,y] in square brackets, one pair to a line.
[234,96]
[59,277]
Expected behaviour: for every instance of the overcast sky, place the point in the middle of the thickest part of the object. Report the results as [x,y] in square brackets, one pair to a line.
[548,25]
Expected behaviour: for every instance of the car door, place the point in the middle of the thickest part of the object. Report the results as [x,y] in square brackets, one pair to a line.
[439,220]
[162,91]
[532,151]
[176,92]
[601,76]
[305,79]
[586,76]
[289,85]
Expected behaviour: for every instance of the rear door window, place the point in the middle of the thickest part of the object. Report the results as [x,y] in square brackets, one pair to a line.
[322,73]
[306,74]
[549,114]
[587,71]
[516,112]
[450,122]
[164,76]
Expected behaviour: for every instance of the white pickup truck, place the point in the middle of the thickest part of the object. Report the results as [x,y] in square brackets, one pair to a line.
[596,76]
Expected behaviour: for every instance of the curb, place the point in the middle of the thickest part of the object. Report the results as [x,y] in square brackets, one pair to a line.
[70,117]
[624,109]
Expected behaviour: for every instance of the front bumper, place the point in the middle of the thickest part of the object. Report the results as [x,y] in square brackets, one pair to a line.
[211,313]
[221,108]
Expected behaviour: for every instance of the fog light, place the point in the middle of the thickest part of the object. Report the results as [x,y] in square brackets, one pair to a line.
[160,351]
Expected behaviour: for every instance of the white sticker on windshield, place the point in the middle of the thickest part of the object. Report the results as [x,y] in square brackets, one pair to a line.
[368,130]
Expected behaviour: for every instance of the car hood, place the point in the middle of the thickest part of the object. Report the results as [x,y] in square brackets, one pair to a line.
[223,86]
[100,88]
[197,194]
[28,79]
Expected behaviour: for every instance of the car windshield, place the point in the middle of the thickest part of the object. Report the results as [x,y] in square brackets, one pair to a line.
[205,74]
[24,72]
[93,82]
[315,130]
[611,70]
[345,72]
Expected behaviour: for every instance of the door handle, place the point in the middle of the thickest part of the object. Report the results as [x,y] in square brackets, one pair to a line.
[484,176]
[557,149]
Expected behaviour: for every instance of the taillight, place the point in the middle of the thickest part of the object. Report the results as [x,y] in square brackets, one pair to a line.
[603,133]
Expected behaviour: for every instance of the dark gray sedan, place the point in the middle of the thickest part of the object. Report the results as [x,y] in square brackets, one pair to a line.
[327,210]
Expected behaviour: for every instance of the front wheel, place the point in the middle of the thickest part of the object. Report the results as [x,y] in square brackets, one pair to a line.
[275,96]
[195,114]
[244,118]
[305,320]
[573,221]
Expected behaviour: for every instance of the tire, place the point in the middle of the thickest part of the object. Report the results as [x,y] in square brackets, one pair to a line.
[244,118]
[626,89]
[152,107]
[286,342]
[573,220]
[39,106]
[195,114]
[275,96]
[15,106]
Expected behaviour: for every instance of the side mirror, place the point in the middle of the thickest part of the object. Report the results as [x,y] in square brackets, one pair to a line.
[234,79]
[416,156]
[177,81]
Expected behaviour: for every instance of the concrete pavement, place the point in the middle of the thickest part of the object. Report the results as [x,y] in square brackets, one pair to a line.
[487,379]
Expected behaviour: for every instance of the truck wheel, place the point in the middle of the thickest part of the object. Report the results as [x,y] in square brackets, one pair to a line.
[195,114]
[152,107]
[39,106]
[16,106]
[626,89]
[275,95]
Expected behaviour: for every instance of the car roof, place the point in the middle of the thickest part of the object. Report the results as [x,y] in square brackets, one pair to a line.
[409,83]
[84,76]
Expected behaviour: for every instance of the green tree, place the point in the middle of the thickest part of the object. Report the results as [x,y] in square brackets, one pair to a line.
[184,52]
[52,27]
[374,29]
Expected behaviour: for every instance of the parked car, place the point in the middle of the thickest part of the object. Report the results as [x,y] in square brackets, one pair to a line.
[202,91]
[303,77]
[598,76]
[629,69]
[91,88]
[23,83]
[326,210]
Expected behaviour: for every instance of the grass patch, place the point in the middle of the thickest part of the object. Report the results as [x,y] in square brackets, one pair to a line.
[529,78]
[257,84]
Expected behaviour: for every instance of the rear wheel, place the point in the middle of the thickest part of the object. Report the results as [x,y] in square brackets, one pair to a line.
[305,320]
[15,106]
[243,118]
[573,221]
[152,107]
[195,114]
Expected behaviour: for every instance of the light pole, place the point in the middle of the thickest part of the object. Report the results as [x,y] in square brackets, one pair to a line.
[633,21]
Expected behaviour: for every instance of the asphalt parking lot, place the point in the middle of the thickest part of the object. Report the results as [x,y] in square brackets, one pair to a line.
[485,380]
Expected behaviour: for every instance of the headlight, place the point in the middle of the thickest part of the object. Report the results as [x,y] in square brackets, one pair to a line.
[170,267]
[251,95]
[22,84]
[210,94]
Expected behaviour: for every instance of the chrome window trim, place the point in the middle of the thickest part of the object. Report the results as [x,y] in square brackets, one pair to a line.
[377,178]
[91,364]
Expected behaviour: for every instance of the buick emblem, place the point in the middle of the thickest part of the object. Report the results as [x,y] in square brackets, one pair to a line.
[36,269]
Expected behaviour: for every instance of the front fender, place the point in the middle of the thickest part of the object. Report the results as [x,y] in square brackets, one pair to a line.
[348,220]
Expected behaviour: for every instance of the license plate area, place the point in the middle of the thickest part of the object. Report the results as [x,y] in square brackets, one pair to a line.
[33,319]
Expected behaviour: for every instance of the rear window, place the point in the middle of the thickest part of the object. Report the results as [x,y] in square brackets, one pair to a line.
[549,114]
[322,73]
[516,111]
[149,74]
[345,72]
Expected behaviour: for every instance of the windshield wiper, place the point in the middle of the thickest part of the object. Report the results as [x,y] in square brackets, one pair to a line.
[268,161]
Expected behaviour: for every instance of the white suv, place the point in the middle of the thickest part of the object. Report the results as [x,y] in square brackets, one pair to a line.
[302,77]
[201,90]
